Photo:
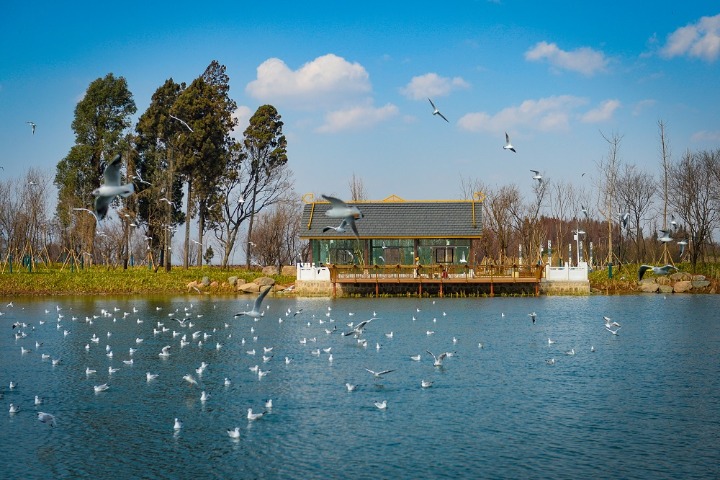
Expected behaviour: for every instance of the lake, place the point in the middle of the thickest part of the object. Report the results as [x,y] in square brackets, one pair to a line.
[644,403]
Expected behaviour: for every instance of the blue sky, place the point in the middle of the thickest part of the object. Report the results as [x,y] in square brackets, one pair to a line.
[351,81]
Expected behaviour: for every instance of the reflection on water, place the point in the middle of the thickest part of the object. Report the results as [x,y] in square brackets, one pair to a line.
[645,403]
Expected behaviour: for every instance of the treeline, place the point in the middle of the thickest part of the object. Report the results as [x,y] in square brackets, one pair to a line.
[183,151]
[630,215]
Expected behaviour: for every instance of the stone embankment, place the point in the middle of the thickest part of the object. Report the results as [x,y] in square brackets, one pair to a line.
[680,282]
[235,285]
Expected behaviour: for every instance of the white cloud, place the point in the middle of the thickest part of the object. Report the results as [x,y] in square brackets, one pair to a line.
[432,85]
[322,81]
[602,113]
[584,60]
[705,136]
[356,118]
[242,114]
[642,105]
[546,114]
[700,40]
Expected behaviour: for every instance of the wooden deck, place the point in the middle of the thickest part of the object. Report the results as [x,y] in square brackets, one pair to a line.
[436,276]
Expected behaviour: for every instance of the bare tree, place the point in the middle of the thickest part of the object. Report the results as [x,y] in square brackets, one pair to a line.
[636,190]
[276,236]
[563,207]
[607,189]
[694,197]
[498,216]
[357,188]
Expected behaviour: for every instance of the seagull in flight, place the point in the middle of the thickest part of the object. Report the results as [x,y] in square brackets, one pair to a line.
[379,374]
[537,176]
[112,188]
[508,145]
[340,209]
[533,316]
[358,329]
[614,332]
[673,222]
[609,323]
[339,229]
[624,217]
[665,236]
[255,312]
[664,270]
[438,361]
[683,244]
[32,126]
[437,112]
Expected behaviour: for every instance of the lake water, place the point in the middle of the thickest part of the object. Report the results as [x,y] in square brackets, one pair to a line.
[644,404]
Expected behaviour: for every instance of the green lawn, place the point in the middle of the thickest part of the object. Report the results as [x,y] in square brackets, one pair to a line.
[56,280]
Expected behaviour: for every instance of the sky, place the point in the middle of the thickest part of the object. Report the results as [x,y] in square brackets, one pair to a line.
[351,81]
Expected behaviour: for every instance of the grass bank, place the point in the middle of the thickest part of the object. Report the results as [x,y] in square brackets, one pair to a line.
[100,280]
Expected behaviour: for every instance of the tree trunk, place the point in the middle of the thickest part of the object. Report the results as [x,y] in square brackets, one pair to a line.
[250,226]
[188,219]
[201,229]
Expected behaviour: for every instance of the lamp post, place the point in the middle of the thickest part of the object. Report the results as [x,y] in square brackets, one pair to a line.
[578,232]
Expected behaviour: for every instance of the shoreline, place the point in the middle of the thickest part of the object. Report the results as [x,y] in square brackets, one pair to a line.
[104,281]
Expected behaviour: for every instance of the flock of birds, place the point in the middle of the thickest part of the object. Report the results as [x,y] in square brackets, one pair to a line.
[179,331]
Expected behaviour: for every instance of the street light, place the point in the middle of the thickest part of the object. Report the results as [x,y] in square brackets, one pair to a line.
[577,233]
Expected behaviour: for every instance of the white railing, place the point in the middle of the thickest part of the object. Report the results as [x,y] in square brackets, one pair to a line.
[310,271]
[567,273]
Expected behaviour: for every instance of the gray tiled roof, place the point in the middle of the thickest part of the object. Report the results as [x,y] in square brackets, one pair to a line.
[399,219]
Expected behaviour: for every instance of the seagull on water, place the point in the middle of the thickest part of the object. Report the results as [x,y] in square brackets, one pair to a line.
[178,424]
[508,145]
[47,418]
[381,405]
[664,270]
[350,387]
[151,376]
[437,112]
[340,209]
[234,433]
[164,353]
[101,388]
[255,312]
[112,188]
[254,416]
[426,383]
[415,358]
